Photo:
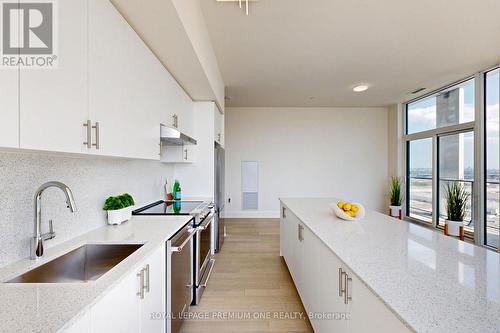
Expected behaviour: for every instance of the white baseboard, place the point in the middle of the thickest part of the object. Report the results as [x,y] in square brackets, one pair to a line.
[247,214]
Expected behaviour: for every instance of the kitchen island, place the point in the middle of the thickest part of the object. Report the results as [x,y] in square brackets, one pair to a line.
[67,307]
[384,274]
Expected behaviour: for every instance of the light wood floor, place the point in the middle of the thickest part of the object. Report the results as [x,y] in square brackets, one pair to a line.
[249,279]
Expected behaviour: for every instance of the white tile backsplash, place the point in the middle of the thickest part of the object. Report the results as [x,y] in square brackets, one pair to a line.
[92,179]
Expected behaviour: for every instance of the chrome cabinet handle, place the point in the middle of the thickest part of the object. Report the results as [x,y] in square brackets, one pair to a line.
[148,282]
[185,154]
[176,120]
[347,296]
[140,275]
[283,212]
[88,143]
[97,135]
[301,228]
[341,285]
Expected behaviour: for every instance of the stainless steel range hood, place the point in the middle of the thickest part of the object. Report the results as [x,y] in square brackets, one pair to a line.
[173,137]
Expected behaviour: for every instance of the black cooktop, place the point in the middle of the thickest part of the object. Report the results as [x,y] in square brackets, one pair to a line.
[168,208]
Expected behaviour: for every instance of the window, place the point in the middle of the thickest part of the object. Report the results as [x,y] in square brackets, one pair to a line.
[442,137]
[444,120]
[420,180]
[450,107]
[492,158]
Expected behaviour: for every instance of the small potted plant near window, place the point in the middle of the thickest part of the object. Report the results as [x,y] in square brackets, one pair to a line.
[119,208]
[395,197]
[456,205]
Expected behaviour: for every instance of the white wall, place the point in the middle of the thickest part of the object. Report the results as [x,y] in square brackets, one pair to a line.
[308,152]
[92,180]
[396,140]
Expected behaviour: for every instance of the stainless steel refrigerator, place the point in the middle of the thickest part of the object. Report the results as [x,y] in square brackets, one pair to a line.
[220,227]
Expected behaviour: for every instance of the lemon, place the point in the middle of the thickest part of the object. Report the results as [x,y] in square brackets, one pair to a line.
[340,204]
[351,213]
[347,206]
[354,208]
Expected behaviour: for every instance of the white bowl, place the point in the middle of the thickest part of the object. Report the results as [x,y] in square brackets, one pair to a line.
[340,213]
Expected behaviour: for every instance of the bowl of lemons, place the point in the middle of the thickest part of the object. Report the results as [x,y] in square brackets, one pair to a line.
[350,211]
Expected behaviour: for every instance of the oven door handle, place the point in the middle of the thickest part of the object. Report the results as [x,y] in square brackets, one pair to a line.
[204,283]
[178,248]
[206,222]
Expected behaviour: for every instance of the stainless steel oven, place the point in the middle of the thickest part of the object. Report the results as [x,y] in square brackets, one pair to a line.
[204,251]
[179,276]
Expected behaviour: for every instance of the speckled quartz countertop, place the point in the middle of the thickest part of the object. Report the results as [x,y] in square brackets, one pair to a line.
[48,307]
[432,282]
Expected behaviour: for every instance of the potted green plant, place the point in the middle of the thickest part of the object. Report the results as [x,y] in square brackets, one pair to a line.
[456,205]
[119,208]
[396,197]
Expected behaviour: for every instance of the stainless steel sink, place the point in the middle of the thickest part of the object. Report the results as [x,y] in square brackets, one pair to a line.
[86,263]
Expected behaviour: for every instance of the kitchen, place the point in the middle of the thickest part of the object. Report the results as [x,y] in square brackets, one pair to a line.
[185,166]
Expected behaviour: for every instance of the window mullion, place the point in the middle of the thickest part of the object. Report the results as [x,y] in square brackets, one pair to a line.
[479,188]
[435,180]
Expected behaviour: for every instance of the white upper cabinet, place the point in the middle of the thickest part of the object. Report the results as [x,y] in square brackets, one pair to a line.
[9,108]
[53,102]
[107,95]
[128,86]
[219,126]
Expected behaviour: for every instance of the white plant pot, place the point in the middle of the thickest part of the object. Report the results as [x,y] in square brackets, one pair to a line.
[395,211]
[454,227]
[117,217]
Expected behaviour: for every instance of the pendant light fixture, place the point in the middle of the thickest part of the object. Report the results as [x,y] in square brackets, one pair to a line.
[240,2]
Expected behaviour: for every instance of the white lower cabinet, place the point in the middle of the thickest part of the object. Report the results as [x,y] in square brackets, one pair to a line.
[153,305]
[136,304]
[334,298]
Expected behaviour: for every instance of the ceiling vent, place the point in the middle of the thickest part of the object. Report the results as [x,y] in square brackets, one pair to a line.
[416,91]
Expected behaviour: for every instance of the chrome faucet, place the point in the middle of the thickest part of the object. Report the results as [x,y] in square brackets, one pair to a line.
[38,238]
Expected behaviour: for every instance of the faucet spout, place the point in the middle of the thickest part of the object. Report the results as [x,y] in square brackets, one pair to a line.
[38,238]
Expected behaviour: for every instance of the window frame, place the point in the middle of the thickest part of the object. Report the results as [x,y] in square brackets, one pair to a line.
[483,237]
[478,128]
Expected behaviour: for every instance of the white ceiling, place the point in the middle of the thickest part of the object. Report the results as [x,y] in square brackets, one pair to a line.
[288,51]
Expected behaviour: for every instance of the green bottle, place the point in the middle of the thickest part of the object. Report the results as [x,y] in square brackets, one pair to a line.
[176,190]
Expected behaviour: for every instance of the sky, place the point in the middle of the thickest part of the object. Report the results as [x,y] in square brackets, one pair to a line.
[422,116]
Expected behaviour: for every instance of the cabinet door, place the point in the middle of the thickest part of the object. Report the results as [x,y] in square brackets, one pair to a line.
[329,301]
[186,116]
[53,102]
[178,154]
[9,121]
[218,128]
[292,242]
[129,87]
[119,310]
[308,268]
[368,311]
[153,304]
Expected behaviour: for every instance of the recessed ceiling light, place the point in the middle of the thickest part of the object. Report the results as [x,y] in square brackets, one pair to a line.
[360,88]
